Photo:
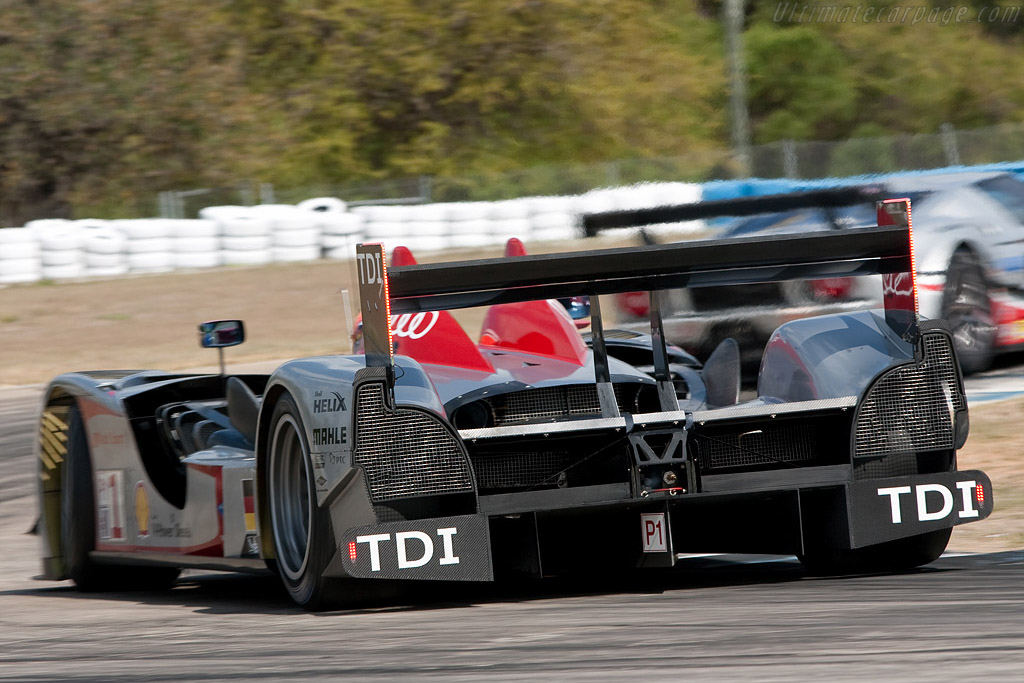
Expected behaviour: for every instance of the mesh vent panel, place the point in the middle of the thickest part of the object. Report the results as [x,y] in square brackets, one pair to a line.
[406,453]
[556,402]
[766,446]
[911,408]
[518,470]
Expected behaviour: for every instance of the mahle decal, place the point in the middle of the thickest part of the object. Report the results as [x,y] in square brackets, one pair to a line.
[329,436]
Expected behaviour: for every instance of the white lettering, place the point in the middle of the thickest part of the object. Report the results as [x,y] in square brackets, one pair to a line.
[411,326]
[922,502]
[374,540]
[428,549]
[894,494]
[361,268]
[967,490]
[899,284]
[449,556]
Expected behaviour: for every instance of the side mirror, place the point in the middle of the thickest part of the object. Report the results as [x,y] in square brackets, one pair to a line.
[217,334]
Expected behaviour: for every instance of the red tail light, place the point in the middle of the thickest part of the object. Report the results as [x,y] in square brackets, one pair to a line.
[352,550]
[979,494]
[637,304]
[832,288]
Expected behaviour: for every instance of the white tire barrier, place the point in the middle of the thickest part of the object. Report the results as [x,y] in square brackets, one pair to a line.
[461,229]
[510,209]
[107,271]
[476,240]
[191,245]
[250,257]
[469,211]
[15,236]
[56,235]
[150,261]
[376,231]
[341,223]
[512,227]
[199,228]
[430,213]
[418,245]
[324,205]
[104,240]
[427,228]
[142,228]
[62,257]
[18,250]
[149,245]
[20,270]
[322,227]
[340,253]
[300,253]
[309,237]
[246,243]
[384,214]
[104,261]
[66,271]
[195,259]
[244,226]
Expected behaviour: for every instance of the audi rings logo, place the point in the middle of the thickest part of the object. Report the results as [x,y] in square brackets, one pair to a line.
[414,326]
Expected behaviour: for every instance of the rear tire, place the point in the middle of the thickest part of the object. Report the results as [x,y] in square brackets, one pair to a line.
[303,534]
[78,526]
[968,310]
[899,555]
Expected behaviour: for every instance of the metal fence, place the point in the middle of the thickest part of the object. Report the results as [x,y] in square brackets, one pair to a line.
[783,159]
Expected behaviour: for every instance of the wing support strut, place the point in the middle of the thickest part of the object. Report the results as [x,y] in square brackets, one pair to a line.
[605,390]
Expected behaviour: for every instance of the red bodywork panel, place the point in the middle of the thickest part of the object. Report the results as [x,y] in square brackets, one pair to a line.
[433,337]
[542,328]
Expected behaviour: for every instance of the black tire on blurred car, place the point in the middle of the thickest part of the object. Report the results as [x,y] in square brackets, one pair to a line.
[967,309]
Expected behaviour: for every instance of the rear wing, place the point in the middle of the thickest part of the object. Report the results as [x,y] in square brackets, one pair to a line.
[885,249]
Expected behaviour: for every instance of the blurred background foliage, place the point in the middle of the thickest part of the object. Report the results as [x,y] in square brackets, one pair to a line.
[105,104]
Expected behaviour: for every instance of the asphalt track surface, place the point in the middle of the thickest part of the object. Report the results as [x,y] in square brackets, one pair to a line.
[715,618]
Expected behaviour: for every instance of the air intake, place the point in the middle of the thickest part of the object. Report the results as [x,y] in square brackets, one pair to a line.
[406,453]
[911,408]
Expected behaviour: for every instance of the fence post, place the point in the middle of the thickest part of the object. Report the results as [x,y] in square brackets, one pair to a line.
[789,165]
[613,174]
[267,193]
[949,144]
[426,188]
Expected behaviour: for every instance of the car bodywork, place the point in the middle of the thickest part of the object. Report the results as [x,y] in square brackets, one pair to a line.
[533,453]
[975,214]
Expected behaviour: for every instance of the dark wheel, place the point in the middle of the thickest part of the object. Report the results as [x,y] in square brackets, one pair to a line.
[967,309]
[78,526]
[905,553]
[303,536]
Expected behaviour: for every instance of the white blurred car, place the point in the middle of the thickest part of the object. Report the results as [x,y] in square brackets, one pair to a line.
[969,249]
